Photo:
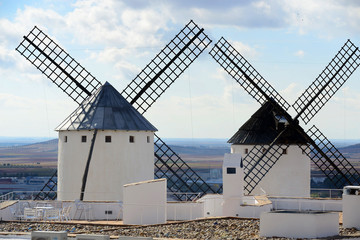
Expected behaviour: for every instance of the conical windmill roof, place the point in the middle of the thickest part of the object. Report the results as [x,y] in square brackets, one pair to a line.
[262,128]
[106,109]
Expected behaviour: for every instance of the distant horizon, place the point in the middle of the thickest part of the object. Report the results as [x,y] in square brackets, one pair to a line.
[11,141]
[180,138]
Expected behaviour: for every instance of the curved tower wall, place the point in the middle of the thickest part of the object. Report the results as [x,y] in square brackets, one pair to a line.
[289,177]
[112,165]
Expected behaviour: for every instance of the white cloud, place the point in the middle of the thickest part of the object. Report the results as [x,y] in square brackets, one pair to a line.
[30,16]
[122,35]
[112,22]
[326,18]
[111,54]
[299,53]
[291,92]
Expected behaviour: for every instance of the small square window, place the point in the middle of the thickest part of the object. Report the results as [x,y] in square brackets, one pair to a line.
[231,170]
[83,138]
[147,139]
[65,138]
[107,139]
[246,151]
[131,139]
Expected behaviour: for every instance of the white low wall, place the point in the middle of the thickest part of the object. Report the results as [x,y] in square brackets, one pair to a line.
[351,211]
[6,215]
[98,211]
[145,202]
[299,224]
[49,235]
[253,211]
[305,204]
[90,210]
[184,210]
[92,237]
[134,238]
[212,205]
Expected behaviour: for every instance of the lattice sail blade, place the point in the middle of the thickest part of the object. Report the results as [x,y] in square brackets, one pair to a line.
[328,82]
[344,173]
[181,178]
[58,65]
[48,191]
[258,162]
[166,67]
[245,74]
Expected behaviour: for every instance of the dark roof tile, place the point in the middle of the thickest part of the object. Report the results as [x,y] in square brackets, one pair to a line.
[106,109]
[262,129]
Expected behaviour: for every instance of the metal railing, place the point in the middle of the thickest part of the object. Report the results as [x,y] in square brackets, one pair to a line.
[7,197]
[325,193]
[30,195]
[188,196]
[302,204]
[23,195]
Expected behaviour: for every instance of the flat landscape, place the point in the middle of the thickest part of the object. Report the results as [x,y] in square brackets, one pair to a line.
[200,154]
[38,159]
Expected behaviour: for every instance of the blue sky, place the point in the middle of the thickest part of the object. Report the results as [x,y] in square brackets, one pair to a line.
[288,42]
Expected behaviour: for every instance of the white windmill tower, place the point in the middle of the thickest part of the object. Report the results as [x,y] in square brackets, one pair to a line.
[291,175]
[108,138]
[268,140]
[142,92]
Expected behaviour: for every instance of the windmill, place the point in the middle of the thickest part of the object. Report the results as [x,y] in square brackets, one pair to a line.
[260,159]
[142,92]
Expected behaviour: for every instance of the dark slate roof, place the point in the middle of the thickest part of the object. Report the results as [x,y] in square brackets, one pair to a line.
[262,129]
[106,109]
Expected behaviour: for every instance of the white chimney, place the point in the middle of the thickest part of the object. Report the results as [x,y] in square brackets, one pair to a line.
[233,184]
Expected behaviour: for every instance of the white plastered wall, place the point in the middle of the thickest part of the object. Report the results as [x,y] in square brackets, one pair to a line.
[145,202]
[212,205]
[290,176]
[299,224]
[112,164]
[351,211]
[233,184]
[176,211]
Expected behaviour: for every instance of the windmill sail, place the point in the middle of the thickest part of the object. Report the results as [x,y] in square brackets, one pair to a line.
[58,65]
[166,67]
[181,177]
[256,167]
[142,92]
[245,74]
[150,84]
[339,171]
[328,82]
[323,88]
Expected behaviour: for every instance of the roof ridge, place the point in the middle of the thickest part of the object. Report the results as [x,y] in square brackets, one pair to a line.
[262,128]
[106,109]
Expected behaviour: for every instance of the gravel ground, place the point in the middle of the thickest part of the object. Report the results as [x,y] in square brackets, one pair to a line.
[200,229]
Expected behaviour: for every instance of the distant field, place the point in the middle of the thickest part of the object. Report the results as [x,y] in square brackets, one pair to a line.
[199,154]
[43,155]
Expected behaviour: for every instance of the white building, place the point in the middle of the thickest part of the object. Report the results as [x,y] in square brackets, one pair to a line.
[233,184]
[290,175]
[233,203]
[122,153]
